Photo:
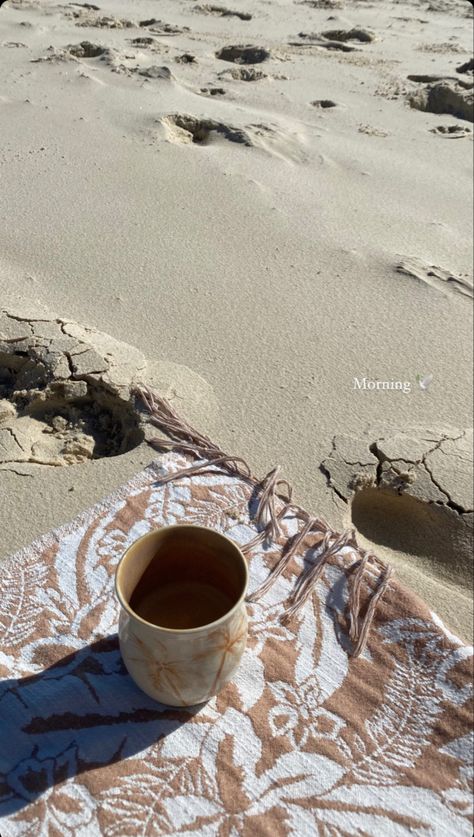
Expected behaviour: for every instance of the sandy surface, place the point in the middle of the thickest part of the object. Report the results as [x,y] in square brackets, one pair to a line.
[260,251]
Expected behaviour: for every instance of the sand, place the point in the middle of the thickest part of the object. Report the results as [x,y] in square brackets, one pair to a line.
[268,212]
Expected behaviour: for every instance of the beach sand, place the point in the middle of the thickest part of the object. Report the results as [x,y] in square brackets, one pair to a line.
[269,212]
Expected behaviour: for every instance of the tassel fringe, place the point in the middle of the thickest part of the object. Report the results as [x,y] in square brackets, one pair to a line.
[306,582]
[272,491]
[282,564]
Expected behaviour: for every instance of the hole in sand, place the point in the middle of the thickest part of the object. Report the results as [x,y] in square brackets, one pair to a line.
[243,74]
[468,67]
[186,58]
[142,42]
[199,129]
[413,528]
[324,103]
[212,91]
[86,50]
[447,97]
[185,128]
[451,131]
[343,35]
[156,72]
[243,54]
[59,422]
[87,19]
[162,28]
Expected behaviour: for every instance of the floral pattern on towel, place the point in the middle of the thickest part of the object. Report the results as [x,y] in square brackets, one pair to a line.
[303,741]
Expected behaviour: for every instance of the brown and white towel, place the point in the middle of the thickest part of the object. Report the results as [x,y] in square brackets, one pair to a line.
[306,740]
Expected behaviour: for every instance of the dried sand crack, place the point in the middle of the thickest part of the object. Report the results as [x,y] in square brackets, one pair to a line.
[409,490]
[68,392]
[65,392]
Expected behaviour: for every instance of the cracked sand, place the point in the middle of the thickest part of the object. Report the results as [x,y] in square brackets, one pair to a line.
[409,491]
[65,392]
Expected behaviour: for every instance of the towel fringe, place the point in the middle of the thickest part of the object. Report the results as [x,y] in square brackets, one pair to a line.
[190,440]
[266,514]
[287,554]
[354,598]
[306,582]
[272,489]
[262,536]
[363,633]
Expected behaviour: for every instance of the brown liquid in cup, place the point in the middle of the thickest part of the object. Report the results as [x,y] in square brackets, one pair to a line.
[183,604]
[185,588]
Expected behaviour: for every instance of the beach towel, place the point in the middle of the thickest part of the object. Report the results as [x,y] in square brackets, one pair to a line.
[350,713]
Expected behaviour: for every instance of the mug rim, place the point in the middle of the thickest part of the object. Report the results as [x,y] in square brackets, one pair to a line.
[185,631]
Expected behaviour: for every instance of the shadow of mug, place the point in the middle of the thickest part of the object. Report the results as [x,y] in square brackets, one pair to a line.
[82,712]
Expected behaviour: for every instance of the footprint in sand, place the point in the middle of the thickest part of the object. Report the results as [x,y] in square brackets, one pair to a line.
[212,91]
[186,58]
[314,39]
[89,6]
[159,27]
[450,97]
[451,131]
[445,48]
[87,50]
[243,54]
[155,72]
[117,61]
[372,131]
[409,490]
[344,35]
[468,67]
[87,18]
[427,78]
[142,42]
[435,277]
[243,74]
[321,4]
[185,129]
[72,52]
[208,9]
[24,4]
[324,103]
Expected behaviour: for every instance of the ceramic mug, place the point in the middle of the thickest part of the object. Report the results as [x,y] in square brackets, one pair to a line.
[183,622]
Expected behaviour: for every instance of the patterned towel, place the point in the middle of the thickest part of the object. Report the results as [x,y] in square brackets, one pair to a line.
[306,740]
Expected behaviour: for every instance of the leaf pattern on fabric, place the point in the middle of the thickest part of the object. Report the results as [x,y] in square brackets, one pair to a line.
[18,603]
[399,731]
[302,740]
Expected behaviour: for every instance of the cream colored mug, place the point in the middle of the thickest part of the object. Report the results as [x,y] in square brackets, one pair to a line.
[183,622]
